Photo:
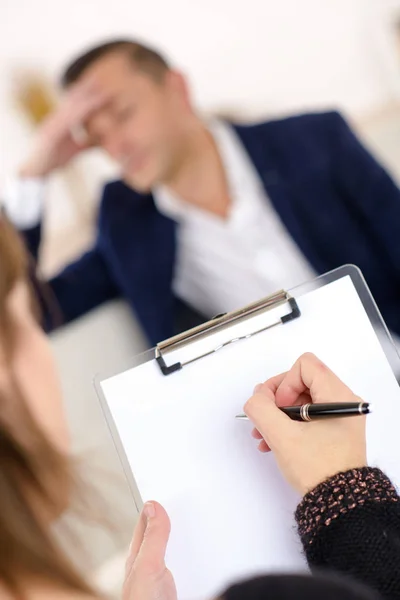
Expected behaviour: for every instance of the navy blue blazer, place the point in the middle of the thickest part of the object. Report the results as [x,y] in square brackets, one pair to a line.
[335,200]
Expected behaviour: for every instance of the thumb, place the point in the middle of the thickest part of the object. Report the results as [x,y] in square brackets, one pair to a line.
[151,555]
[262,410]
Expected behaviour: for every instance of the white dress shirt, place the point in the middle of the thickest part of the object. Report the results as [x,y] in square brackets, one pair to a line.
[222,264]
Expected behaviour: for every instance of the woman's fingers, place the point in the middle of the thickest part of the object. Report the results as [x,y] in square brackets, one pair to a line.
[273,383]
[266,416]
[151,557]
[150,539]
[309,380]
[263,447]
[306,453]
[299,397]
[311,375]
[256,434]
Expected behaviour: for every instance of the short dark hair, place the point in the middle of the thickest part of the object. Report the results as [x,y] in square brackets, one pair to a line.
[145,58]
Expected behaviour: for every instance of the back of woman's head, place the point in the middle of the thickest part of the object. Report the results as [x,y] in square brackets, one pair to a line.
[35,476]
[299,587]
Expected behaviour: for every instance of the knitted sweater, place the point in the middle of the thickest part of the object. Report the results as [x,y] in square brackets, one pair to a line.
[351,524]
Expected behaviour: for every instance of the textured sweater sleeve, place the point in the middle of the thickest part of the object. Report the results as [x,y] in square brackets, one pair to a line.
[351,524]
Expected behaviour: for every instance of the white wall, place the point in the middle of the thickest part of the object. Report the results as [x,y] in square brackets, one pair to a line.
[258,56]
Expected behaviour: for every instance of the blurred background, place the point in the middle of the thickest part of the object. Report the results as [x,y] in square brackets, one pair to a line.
[259,58]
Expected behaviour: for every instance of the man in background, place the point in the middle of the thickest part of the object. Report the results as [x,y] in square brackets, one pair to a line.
[207,216]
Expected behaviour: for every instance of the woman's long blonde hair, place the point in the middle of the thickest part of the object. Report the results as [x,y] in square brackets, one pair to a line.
[32,471]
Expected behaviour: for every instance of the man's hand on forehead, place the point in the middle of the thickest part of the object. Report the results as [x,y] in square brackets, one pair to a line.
[62,135]
[80,103]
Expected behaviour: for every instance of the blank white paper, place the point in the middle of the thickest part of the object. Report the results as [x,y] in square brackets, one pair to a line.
[230,509]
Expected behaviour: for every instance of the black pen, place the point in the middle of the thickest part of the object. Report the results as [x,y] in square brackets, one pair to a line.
[311,412]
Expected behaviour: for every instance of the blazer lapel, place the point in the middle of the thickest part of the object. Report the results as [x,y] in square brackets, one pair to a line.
[281,192]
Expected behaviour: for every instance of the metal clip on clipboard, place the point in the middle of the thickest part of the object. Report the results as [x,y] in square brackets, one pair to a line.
[224,321]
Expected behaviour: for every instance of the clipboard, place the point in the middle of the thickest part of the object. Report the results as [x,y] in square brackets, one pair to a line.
[162,400]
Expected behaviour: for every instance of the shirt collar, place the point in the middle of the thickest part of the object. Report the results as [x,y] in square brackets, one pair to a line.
[239,171]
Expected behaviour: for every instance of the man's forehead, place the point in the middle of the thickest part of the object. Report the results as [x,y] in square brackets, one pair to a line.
[115,76]
[110,71]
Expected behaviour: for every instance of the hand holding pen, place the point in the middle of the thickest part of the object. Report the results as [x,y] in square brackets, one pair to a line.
[307,453]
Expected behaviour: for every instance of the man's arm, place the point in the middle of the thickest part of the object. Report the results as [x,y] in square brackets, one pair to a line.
[86,283]
[54,145]
[82,286]
[370,191]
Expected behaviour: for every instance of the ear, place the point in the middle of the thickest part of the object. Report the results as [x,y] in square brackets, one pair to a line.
[178,83]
